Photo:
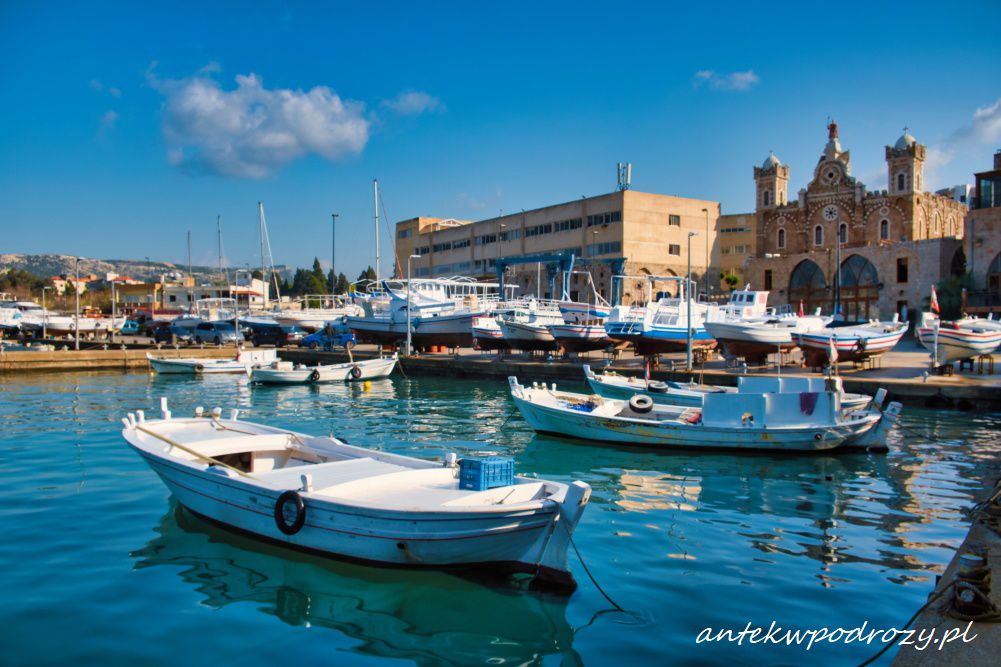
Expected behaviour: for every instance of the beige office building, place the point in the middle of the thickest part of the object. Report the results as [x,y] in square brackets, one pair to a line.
[626,233]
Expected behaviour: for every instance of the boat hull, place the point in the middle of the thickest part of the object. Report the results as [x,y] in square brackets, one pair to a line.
[528,337]
[195,366]
[958,344]
[369,369]
[580,337]
[851,347]
[661,341]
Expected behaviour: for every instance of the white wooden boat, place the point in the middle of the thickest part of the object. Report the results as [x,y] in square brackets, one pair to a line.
[583,337]
[784,422]
[285,372]
[322,495]
[527,335]
[949,342]
[243,362]
[853,343]
[613,385]
[487,333]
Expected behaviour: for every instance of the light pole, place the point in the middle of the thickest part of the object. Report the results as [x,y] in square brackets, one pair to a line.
[76,315]
[705,278]
[333,253]
[113,311]
[45,313]
[688,302]
[409,300]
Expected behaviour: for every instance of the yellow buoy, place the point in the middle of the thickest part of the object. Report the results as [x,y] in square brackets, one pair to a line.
[367,386]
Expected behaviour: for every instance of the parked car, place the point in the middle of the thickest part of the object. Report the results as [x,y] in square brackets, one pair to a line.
[167,332]
[276,334]
[219,333]
[329,337]
[130,328]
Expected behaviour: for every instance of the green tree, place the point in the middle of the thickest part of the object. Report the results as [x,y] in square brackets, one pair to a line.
[950,295]
[730,279]
[256,274]
[318,270]
[342,285]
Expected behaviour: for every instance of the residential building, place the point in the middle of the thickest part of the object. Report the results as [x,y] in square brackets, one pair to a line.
[983,241]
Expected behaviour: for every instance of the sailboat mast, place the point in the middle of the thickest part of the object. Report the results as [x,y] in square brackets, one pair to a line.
[218,231]
[260,222]
[375,200]
[191,278]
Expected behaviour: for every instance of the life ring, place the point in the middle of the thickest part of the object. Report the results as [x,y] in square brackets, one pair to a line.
[657,387]
[641,403]
[314,376]
[285,498]
[199,368]
[356,372]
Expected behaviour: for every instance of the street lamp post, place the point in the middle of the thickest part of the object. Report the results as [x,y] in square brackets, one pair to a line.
[76,315]
[333,252]
[688,302]
[705,278]
[407,352]
[45,313]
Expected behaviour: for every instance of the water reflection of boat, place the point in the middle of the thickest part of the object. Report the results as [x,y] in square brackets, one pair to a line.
[426,617]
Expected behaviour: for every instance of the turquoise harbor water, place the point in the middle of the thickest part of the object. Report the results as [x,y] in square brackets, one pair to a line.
[99,566]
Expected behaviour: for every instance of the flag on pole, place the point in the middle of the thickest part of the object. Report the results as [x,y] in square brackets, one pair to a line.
[801,307]
[934,301]
[832,351]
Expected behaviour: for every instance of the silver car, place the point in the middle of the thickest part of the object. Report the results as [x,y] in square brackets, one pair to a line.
[219,333]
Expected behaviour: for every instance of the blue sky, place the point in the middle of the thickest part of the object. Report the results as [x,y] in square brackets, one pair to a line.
[126,125]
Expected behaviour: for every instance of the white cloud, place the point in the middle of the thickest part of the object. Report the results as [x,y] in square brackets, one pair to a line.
[96,84]
[252,131]
[732,81]
[414,102]
[985,128]
[108,121]
[983,131]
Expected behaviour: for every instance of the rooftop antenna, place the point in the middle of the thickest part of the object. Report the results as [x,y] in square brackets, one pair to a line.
[624,173]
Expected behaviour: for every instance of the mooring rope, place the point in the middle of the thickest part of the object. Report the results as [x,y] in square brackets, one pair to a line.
[933,598]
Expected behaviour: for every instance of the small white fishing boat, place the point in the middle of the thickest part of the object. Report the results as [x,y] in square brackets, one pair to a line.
[243,362]
[324,496]
[487,333]
[285,372]
[949,342]
[583,337]
[613,385]
[853,343]
[810,421]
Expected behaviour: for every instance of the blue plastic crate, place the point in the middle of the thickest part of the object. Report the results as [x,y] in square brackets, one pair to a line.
[485,473]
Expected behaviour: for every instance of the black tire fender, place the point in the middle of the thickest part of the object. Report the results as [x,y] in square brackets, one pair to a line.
[657,387]
[314,376]
[199,368]
[356,372]
[641,403]
[285,498]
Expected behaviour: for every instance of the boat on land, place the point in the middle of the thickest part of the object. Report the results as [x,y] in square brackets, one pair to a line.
[803,422]
[321,495]
[315,311]
[242,363]
[747,327]
[285,372]
[613,385]
[853,342]
[526,325]
[660,326]
[583,337]
[951,341]
[487,334]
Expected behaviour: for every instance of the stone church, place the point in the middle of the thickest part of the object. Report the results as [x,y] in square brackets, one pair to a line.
[892,244]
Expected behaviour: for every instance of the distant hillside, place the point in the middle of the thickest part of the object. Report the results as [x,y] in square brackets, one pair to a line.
[51,265]
[45,266]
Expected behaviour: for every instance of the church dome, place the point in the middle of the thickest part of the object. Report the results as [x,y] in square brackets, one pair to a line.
[904,142]
[771,161]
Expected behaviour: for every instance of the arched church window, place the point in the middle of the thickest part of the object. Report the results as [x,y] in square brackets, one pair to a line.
[764,198]
[842,233]
[781,240]
[884,230]
[818,235]
[900,182]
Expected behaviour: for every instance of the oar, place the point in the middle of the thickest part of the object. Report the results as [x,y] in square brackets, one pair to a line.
[197,455]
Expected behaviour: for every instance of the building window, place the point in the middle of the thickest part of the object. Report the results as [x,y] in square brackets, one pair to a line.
[461,243]
[884,230]
[510,235]
[423,250]
[538,230]
[768,279]
[173,298]
[818,235]
[441,247]
[404,233]
[900,182]
[781,240]
[674,220]
[567,225]
[901,269]
[764,198]
[485,239]
[674,249]
[843,233]
[604,248]
[604,218]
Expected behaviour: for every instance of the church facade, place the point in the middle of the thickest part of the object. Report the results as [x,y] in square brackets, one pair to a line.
[875,252]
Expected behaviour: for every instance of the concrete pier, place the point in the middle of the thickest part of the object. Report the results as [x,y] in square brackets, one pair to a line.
[91,360]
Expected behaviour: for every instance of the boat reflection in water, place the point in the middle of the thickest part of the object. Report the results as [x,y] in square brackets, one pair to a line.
[428,617]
